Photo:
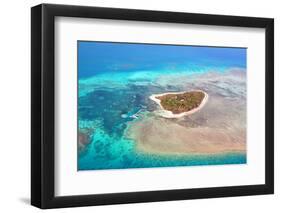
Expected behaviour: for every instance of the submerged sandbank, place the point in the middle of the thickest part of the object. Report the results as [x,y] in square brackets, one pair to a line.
[164,136]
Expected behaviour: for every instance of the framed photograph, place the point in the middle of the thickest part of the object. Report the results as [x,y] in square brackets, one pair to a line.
[139,106]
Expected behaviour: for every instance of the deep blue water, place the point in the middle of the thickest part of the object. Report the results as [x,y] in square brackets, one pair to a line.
[100,57]
[115,81]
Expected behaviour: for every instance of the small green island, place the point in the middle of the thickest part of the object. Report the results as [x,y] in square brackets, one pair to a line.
[178,103]
[181,103]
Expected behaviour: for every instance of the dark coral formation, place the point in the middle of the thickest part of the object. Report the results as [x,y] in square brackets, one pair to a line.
[84,138]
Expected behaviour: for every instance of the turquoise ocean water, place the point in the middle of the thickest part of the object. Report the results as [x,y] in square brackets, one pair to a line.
[115,81]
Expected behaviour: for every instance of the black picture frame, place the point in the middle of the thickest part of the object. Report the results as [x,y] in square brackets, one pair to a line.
[43,102]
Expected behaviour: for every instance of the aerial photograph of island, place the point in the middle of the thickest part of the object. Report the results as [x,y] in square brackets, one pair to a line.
[160,105]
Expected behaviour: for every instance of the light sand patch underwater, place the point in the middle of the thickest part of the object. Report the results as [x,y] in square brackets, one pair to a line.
[168,137]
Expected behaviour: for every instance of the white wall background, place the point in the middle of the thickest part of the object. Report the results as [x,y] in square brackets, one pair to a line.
[15,105]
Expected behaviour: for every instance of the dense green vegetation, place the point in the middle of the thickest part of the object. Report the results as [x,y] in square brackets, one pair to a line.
[178,103]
